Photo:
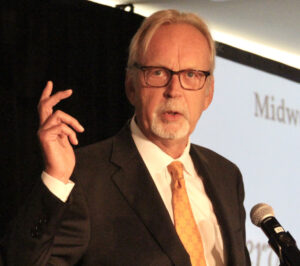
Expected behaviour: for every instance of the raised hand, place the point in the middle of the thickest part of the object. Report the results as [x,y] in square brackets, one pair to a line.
[56,134]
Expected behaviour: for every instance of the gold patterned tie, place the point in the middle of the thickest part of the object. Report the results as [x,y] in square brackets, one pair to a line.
[184,221]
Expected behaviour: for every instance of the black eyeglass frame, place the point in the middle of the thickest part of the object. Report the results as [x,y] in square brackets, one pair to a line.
[143,68]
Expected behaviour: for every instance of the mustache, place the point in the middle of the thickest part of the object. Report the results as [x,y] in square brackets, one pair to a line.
[174,106]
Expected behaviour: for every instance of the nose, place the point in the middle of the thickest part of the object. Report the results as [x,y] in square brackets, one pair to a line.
[174,88]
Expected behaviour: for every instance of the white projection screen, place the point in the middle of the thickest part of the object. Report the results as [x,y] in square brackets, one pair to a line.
[254,121]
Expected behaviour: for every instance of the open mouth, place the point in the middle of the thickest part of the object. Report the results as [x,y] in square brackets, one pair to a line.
[171,115]
[172,112]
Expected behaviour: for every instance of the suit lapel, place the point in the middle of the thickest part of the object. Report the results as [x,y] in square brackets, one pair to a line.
[138,188]
[213,187]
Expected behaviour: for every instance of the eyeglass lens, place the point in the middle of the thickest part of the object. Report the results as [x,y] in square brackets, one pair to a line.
[160,77]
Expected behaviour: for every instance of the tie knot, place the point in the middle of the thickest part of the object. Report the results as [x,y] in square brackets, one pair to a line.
[176,170]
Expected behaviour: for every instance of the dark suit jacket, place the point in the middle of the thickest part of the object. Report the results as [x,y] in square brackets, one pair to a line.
[115,215]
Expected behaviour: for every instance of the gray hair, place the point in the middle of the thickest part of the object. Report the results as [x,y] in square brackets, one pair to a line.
[140,41]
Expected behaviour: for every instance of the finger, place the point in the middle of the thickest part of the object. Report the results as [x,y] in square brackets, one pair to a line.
[47,102]
[61,117]
[43,112]
[54,99]
[47,90]
[51,134]
[57,97]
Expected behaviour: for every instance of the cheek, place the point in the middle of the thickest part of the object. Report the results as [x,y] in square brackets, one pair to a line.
[150,103]
[151,96]
[196,107]
[145,104]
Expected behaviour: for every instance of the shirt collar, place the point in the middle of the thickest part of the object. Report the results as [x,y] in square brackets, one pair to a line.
[153,156]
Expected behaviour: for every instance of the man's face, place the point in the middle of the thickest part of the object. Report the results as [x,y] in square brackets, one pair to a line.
[171,112]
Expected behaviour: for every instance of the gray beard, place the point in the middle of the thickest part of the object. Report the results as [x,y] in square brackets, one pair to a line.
[161,129]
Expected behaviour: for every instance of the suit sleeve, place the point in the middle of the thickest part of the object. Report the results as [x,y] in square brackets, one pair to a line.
[48,231]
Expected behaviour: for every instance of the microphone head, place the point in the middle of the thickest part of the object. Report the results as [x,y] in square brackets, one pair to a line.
[260,212]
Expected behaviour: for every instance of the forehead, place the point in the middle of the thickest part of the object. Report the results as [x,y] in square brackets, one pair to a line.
[178,46]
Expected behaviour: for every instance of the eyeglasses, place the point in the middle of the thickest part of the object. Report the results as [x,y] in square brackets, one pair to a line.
[190,79]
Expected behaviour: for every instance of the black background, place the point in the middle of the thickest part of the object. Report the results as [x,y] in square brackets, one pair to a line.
[76,44]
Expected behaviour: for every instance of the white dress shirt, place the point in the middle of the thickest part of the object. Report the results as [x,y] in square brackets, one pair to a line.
[157,161]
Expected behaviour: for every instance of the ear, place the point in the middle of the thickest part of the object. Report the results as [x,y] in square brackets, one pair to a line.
[209,91]
[130,89]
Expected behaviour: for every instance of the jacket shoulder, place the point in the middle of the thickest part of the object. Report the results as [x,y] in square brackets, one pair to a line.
[211,156]
[100,149]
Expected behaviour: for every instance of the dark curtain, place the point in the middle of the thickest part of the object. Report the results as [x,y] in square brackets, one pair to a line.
[76,44]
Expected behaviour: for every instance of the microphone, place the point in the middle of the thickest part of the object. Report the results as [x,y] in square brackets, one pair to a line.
[284,245]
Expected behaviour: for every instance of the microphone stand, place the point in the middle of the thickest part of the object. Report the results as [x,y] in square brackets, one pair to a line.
[286,249]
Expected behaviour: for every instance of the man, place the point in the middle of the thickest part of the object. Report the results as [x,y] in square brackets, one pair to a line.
[125,201]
